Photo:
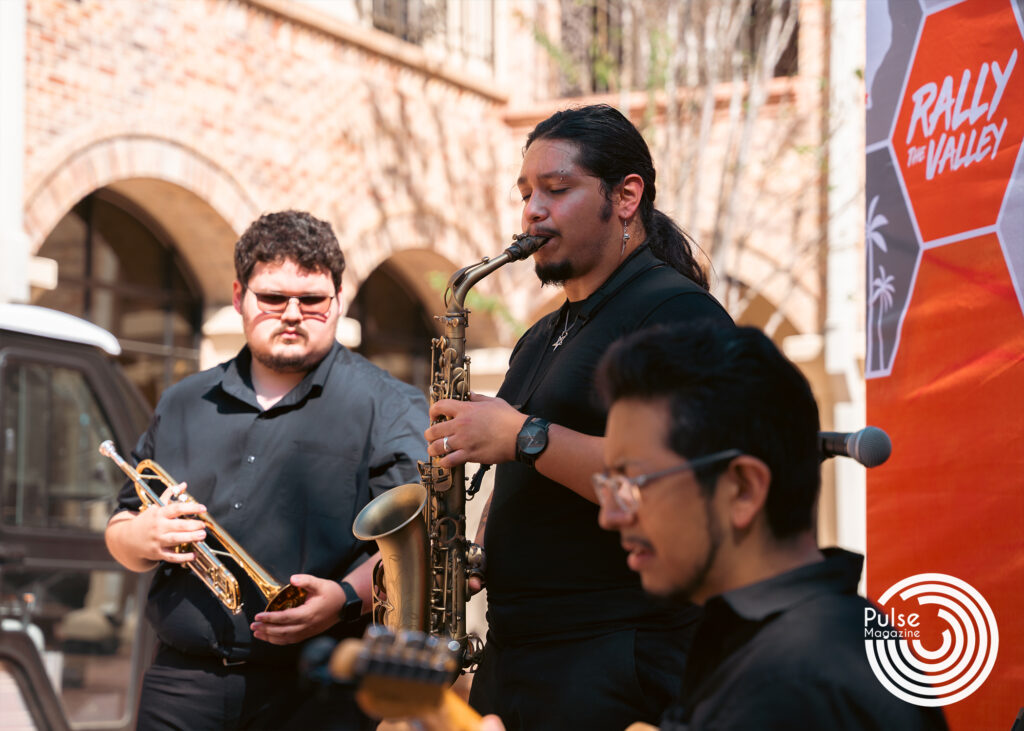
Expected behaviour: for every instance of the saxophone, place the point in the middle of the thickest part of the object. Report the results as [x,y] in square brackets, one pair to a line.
[421,582]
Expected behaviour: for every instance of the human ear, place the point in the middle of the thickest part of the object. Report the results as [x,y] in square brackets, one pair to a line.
[237,292]
[751,479]
[630,191]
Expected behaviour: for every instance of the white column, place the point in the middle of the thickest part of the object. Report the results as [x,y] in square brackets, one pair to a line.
[14,253]
[844,319]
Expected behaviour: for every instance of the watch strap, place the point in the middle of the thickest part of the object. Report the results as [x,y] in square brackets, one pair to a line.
[352,610]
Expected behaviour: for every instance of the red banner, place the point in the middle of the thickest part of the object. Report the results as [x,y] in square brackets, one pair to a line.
[945,358]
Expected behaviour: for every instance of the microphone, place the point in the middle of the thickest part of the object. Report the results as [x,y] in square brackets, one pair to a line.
[870,446]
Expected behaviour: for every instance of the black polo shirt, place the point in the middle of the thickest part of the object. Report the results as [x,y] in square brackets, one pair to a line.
[788,653]
[285,482]
[551,570]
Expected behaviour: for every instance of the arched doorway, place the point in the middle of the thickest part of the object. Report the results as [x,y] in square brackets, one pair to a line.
[118,268]
[396,328]
[396,307]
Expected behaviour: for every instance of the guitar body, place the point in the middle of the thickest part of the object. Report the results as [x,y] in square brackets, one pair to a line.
[406,676]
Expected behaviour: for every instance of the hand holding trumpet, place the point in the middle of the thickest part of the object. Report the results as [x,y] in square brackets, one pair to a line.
[157,532]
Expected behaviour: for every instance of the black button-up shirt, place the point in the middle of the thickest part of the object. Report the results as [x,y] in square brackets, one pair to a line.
[788,653]
[285,483]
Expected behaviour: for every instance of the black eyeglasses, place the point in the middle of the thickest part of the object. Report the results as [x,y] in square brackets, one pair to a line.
[310,305]
[626,490]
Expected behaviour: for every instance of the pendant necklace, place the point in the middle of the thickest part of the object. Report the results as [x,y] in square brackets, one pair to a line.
[565,330]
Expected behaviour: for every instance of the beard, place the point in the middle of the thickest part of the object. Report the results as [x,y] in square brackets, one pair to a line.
[555,273]
[684,593]
[300,362]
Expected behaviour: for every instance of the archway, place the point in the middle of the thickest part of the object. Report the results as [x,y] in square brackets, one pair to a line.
[396,307]
[119,268]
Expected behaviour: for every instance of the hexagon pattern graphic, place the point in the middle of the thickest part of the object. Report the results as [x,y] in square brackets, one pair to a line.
[955,136]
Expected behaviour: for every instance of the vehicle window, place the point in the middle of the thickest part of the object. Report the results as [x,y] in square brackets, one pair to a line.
[84,623]
[53,475]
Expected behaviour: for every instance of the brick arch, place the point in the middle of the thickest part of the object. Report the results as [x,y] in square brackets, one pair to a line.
[102,162]
[408,228]
[762,280]
[196,201]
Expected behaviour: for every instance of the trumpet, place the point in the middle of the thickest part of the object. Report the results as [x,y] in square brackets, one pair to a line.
[210,569]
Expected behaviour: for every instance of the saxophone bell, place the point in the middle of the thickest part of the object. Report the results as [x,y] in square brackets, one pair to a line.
[434,568]
[396,521]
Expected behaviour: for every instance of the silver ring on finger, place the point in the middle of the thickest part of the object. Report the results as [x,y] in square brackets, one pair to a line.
[444,445]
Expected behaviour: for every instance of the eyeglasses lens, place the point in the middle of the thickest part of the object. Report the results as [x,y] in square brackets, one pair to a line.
[309,304]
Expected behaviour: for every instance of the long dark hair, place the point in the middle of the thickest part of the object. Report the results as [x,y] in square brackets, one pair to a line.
[611,148]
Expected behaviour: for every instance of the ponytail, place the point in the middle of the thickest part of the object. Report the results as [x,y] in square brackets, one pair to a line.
[673,246]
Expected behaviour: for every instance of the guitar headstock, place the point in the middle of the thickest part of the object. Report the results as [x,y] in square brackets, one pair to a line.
[400,674]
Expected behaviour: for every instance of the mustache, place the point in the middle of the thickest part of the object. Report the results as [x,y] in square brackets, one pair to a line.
[298,330]
[542,231]
[631,542]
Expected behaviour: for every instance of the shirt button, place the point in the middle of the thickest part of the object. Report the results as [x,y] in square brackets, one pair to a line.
[250,459]
[237,505]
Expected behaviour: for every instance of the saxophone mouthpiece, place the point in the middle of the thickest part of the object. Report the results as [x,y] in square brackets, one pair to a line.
[525,245]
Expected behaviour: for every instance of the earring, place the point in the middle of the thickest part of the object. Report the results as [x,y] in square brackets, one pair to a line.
[625,238]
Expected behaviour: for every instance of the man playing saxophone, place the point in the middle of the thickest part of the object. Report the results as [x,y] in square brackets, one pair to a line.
[282,446]
[572,641]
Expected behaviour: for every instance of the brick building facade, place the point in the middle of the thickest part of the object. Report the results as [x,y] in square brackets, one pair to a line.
[189,119]
[140,138]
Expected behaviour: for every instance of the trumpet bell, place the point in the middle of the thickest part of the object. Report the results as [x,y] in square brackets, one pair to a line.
[286,598]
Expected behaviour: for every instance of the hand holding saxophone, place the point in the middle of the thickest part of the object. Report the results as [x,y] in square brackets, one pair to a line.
[481,430]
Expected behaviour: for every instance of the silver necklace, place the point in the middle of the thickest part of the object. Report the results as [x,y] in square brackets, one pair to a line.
[565,330]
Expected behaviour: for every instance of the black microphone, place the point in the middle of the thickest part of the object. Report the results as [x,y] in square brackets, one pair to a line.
[870,446]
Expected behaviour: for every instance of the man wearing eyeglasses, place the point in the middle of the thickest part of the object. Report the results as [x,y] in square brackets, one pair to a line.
[712,477]
[282,445]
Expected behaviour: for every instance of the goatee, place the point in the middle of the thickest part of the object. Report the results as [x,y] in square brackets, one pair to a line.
[289,363]
[556,273]
[302,362]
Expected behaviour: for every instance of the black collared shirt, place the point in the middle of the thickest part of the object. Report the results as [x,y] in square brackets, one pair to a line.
[788,653]
[285,483]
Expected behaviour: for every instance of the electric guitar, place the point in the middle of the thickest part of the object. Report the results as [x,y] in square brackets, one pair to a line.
[408,675]
[404,675]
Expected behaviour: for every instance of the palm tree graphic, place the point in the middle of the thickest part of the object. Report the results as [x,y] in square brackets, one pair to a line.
[882,288]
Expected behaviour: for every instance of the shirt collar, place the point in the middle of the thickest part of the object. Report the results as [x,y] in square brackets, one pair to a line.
[237,379]
[838,573]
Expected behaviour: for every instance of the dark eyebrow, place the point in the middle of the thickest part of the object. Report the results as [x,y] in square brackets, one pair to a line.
[549,176]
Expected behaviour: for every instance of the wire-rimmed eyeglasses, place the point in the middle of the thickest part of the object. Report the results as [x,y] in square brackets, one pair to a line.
[626,490]
[310,305]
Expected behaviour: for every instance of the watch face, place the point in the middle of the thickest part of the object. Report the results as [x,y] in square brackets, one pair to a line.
[533,438]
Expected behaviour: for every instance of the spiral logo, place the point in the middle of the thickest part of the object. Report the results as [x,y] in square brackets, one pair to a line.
[917,671]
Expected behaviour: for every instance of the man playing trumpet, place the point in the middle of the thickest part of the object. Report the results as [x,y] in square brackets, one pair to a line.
[282,446]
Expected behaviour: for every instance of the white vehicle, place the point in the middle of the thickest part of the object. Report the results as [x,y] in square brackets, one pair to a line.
[71,638]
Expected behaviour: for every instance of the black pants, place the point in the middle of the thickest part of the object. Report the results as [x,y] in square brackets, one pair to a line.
[194,694]
[597,683]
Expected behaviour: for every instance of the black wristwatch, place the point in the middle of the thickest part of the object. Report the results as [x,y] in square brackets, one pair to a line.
[532,440]
[353,608]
